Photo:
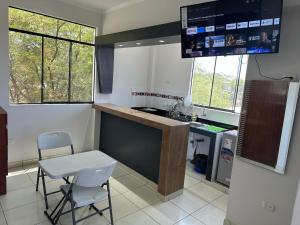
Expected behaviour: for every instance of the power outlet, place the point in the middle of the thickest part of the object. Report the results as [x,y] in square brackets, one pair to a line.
[269,206]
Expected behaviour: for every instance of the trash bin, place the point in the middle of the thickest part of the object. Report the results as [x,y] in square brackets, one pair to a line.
[201,163]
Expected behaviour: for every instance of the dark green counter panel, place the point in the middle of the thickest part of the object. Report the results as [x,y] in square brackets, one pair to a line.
[135,145]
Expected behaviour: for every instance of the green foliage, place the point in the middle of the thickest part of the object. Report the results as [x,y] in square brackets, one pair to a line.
[26,68]
[28,21]
[221,88]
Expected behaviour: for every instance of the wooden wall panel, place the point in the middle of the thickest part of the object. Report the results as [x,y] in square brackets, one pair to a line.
[262,120]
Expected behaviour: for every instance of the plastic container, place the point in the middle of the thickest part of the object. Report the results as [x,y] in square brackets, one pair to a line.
[201,163]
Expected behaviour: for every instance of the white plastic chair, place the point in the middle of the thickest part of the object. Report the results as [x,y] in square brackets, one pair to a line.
[86,190]
[45,142]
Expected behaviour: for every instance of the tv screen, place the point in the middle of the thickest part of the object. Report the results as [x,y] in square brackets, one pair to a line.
[231,27]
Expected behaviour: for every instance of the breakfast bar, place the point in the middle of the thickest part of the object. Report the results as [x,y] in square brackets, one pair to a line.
[153,146]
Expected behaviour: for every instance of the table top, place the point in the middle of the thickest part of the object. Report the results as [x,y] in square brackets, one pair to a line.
[69,165]
[139,116]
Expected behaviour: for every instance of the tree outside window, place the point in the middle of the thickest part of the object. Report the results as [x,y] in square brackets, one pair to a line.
[218,82]
[51,60]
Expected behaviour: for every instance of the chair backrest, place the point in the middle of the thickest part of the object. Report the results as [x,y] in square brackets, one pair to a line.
[52,140]
[94,177]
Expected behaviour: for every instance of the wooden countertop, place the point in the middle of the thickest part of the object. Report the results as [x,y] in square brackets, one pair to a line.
[138,116]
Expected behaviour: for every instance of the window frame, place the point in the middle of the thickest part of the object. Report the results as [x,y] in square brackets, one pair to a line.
[70,42]
[237,83]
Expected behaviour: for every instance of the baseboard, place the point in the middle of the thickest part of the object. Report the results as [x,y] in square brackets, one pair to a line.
[171,196]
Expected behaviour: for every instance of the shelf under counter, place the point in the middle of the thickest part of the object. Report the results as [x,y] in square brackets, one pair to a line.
[152,145]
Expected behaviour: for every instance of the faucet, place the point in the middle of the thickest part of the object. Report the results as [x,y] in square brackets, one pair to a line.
[174,112]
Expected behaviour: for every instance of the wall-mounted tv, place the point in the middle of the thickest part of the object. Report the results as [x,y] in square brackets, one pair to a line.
[231,27]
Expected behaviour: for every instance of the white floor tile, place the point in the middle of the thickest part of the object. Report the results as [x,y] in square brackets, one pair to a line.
[138,218]
[32,173]
[192,173]
[26,215]
[153,186]
[45,223]
[142,197]
[190,181]
[126,183]
[80,213]
[30,166]
[18,182]
[15,172]
[131,182]
[118,172]
[210,215]
[124,167]
[118,186]
[221,202]
[113,191]
[20,197]
[206,192]
[51,186]
[121,207]
[134,200]
[165,213]
[189,221]
[2,218]
[189,201]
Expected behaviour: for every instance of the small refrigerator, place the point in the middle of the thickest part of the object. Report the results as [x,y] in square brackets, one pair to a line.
[226,157]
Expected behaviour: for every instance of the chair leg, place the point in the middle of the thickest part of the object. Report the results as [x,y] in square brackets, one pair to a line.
[110,206]
[57,216]
[38,180]
[44,189]
[73,212]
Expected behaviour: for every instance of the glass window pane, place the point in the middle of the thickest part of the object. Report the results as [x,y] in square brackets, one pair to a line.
[202,80]
[25,55]
[25,20]
[82,73]
[56,70]
[242,81]
[225,82]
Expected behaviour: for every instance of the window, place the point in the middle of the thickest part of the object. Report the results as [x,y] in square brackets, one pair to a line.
[218,82]
[51,60]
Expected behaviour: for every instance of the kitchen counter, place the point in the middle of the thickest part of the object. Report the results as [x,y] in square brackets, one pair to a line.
[139,116]
[152,145]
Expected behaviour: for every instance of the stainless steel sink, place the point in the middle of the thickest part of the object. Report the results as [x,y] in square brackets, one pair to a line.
[196,124]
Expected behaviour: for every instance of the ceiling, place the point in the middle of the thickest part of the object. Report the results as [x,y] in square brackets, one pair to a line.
[101,5]
[111,5]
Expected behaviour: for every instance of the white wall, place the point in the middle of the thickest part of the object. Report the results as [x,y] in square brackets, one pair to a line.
[132,67]
[296,214]
[146,13]
[171,74]
[26,122]
[168,73]
[250,184]
[158,69]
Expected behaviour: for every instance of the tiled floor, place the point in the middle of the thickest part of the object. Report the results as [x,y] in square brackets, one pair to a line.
[134,201]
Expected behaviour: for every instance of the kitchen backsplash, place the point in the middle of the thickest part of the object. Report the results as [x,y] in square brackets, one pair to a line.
[158,95]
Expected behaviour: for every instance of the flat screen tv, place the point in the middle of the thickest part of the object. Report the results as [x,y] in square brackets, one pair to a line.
[231,27]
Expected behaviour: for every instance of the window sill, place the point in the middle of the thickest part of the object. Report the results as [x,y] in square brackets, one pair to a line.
[216,115]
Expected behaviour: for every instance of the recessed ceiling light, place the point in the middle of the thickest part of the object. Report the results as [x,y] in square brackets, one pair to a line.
[120,45]
[138,43]
[161,41]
